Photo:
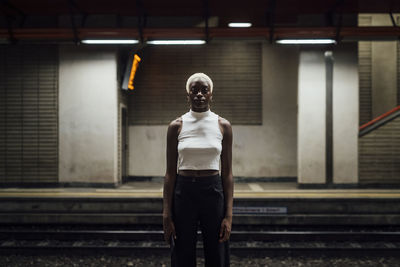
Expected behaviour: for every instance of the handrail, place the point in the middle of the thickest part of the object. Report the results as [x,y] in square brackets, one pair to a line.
[378,121]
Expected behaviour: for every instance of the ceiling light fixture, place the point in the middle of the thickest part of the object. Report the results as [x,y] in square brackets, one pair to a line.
[306,41]
[88,41]
[176,42]
[239,24]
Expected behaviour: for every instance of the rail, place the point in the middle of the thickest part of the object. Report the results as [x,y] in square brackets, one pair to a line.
[380,241]
[379,121]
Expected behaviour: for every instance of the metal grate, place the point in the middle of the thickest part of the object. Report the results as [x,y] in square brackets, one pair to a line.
[398,64]
[28,114]
[365,73]
[234,67]
[379,154]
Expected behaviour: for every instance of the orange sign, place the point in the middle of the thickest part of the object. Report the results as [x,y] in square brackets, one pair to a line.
[135,64]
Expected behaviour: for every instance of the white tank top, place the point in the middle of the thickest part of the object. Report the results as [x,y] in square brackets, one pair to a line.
[199,142]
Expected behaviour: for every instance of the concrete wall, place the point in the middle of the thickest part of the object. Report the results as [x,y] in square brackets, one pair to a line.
[89,120]
[268,150]
[383,67]
[88,115]
[384,71]
[384,77]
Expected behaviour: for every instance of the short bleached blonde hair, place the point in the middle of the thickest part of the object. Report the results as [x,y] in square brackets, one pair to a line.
[199,75]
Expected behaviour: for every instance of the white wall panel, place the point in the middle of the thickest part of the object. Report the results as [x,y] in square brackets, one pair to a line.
[88,114]
[311,117]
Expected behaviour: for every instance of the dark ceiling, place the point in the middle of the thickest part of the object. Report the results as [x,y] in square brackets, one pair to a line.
[195,7]
[261,12]
[24,18]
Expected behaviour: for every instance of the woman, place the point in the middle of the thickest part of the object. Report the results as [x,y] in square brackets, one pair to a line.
[198,143]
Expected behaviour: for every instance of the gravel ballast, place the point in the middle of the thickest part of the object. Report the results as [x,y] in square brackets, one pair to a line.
[153,260]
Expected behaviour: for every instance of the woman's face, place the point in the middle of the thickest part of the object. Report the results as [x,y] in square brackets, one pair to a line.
[199,95]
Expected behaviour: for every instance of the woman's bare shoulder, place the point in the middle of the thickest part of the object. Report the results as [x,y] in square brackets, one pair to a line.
[224,122]
[224,125]
[175,125]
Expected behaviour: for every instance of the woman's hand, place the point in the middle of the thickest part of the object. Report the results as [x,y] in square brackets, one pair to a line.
[225,231]
[169,229]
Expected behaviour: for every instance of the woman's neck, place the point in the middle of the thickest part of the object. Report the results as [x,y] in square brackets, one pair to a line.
[200,109]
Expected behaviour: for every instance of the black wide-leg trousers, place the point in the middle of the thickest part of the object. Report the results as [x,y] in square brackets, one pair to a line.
[199,201]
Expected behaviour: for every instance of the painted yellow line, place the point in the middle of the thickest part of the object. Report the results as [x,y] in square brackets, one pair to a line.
[84,194]
[249,194]
[317,195]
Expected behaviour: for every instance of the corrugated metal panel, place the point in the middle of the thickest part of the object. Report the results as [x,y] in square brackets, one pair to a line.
[121,135]
[28,114]
[365,73]
[379,154]
[398,73]
[122,102]
[119,161]
[398,66]
[234,67]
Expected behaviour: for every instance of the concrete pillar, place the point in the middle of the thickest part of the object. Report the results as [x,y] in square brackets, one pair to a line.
[312,103]
[345,114]
[88,115]
[311,117]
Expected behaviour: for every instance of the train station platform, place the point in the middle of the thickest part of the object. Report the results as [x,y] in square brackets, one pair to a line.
[255,203]
[242,190]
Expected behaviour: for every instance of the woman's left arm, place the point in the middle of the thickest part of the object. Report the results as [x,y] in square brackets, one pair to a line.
[227,178]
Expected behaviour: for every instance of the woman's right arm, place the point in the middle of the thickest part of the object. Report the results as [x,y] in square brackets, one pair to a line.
[170,177]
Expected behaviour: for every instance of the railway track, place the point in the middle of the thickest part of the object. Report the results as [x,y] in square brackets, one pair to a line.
[151,241]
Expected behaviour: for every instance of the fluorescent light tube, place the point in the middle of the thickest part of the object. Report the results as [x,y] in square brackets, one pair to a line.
[110,41]
[239,24]
[306,41]
[176,42]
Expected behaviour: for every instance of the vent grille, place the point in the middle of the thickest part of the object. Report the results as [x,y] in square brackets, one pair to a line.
[235,68]
[28,114]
